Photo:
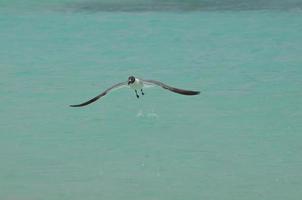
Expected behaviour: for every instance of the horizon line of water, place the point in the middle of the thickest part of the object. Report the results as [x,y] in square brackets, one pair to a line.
[156,5]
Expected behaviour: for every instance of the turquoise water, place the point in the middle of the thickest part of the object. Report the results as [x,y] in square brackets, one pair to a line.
[240,139]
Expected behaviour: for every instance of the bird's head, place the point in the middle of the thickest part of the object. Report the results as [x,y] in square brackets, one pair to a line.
[131,80]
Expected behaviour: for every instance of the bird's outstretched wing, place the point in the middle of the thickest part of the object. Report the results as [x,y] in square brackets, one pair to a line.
[172,89]
[116,86]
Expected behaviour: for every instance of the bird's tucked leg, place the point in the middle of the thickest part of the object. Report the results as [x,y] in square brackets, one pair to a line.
[136,94]
[142,92]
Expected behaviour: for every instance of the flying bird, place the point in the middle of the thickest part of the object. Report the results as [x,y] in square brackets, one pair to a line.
[138,85]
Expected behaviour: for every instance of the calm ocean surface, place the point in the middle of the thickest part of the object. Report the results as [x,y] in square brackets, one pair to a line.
[240,139]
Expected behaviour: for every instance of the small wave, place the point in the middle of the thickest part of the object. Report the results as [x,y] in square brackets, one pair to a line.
[140,114]
[152,114]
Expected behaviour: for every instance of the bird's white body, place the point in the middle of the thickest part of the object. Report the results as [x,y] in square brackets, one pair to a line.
[137,85]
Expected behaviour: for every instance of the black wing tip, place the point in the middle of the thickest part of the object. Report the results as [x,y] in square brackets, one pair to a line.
[196,92]
[193,93]
[185,92]
[75,105]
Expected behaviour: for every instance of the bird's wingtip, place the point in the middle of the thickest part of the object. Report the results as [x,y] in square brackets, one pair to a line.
[73,106]
[196,93]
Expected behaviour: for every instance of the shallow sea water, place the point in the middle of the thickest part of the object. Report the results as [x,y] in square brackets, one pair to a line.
[239,139]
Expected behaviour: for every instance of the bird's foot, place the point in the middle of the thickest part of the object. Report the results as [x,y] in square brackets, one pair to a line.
[136,94]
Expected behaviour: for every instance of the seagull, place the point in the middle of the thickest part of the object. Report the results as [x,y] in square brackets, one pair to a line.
[138,85]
